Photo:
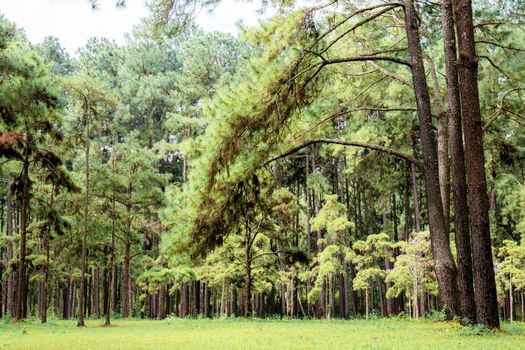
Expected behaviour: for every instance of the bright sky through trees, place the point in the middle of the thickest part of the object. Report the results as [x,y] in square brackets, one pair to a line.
[73,22]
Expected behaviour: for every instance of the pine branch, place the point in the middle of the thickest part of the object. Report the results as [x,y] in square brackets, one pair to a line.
[371,146]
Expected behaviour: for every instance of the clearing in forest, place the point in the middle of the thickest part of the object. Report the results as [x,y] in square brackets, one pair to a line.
[258,334]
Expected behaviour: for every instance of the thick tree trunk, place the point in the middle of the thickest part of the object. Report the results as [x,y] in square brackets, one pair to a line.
[442,144]
[196,296]
[161,305]
[444,263]
[459,184]
[185,301]
[484,280]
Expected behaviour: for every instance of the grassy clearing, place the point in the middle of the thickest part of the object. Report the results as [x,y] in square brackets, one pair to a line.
[257,334]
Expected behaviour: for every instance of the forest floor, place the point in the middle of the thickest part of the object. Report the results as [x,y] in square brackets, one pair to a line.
[258,334]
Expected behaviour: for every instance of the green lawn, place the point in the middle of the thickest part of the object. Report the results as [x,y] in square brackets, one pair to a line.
[257,334]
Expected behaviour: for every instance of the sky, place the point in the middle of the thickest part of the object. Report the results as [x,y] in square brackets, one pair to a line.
[73,21]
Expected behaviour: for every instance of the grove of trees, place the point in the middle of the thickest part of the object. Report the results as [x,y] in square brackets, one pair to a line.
[341,159]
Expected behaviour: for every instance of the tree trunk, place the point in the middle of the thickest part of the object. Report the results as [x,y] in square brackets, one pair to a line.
[459,184]
[417,211]
[10,305]
[343,289]
[484,280]
[21,291]
[207,308]
[407,229]
[107,296]
[47,240]
[196,296]
[126,307]
[442,144]
[82,291]
[248,278]
[161,305]
[95,293]
[511,300]
[185,301]
[444,263]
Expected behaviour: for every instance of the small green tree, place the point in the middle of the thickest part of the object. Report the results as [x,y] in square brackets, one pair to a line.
[369,254]
[510,272]
[413,270]
[331,261]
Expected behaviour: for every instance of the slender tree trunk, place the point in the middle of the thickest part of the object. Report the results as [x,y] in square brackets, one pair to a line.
[459,184]
[415,194]
[10,305]
[21,291]
[444,263]
[511,300]
[248,277]
[415,302]
[95,293]
[366,303]
[407,229]
[484,279]
[126,307]
[207,308]
[46,277]
[522,307]
[111,287]
[82,290]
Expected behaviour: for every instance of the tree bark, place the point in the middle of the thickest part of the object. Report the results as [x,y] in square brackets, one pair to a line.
[21,291]
[415,195]
[126,307]
[459,184]
[185,301]
[321,306]
[82,291]
[407,228]
[10,305]
[444,263]
[484,279]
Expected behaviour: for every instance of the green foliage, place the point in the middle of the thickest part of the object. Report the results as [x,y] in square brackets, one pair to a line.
[413,271]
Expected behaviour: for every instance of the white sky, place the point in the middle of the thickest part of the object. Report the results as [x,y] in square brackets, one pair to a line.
[73,21]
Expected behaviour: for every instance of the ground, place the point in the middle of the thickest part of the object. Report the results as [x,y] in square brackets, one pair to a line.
[258,334]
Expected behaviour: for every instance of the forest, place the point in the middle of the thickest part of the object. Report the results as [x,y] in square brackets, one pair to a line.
[342,160]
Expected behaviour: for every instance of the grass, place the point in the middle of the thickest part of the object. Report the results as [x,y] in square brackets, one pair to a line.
[258,334]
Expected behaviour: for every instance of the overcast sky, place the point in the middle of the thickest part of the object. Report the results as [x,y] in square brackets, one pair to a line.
[73,21]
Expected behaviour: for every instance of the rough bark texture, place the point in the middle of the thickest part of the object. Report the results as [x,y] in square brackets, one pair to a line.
[442,144]
[457,159]
[484,281]
[444,263]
